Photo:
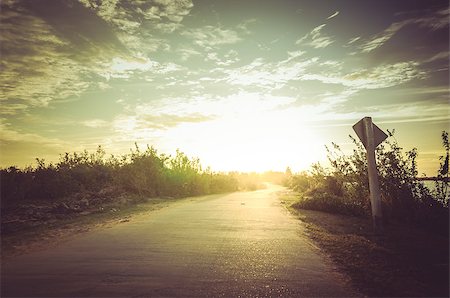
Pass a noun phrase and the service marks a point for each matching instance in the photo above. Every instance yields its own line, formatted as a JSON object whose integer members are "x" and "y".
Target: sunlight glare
{"x": 252, "y": 135}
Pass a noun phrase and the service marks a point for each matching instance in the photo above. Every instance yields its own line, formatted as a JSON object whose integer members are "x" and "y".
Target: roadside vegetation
{"x": 344, "y": 188}
{"x": 411, "y": 257}
{"x": 47, "y": 195}
{"x": 141, "y": 173}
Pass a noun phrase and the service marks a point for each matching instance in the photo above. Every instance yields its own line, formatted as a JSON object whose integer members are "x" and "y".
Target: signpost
{"x": 371, "y": 136}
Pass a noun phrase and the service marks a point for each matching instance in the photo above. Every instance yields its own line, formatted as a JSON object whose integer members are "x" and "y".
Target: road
{"x": 241, "y": 244}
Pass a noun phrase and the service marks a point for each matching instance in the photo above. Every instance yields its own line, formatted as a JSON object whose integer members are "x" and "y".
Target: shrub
{"x": 143, "y": 173}
{"x": 344, "y": 187}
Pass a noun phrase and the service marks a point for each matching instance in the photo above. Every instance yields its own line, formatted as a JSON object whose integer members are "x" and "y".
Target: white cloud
{"x": 244, "y": 26}
{"x": 186, "y": 53}
{"x": 227, "y": 59}
{"x": 378, "y": 77}
{"x": 385, "y": 75}
{"x": 316, "y": 38}
{"x": 124, "y": 16}
{"x": 137, "y": 23}
{"x": 95, "y": 123}
{"x": 379, "y": 39}
{"x": 353, "y": 40}
{"x": 123, "y": 68}
{"x": 333, "y": 15}
{"x": 271, "y": 75}
{"x": 209, "y": 36}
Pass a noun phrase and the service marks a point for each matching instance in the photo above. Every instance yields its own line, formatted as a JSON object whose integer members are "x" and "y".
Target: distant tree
{"x": 441, "y": 184}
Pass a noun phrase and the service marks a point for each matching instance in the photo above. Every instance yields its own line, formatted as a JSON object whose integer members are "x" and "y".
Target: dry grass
{"x": 31, "y": 235}
{"x": 405, "y": 262}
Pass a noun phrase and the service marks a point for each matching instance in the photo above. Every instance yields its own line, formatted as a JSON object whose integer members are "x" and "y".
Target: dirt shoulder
{"x": 29, "y": 234}
{"x": 405, "y": 262}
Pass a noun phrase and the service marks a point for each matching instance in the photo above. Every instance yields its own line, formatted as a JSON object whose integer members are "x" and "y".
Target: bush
{"x": 344, "y": 187}
{"x": 143, "y": 173}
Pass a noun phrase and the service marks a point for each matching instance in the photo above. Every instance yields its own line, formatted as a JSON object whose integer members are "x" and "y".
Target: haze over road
{"x": 242, "y": 243}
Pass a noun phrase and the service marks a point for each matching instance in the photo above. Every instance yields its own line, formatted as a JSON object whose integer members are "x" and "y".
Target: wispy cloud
{"x": 333, "y": 15}
{"x": 168, "y": 73}
{"x": 353, "y": 40}
{"x": 439, "y": 56}
{"x": 436, "y": 20}
{"x": 14, "y": 138}
{"x": 209, "y": 37}
{"x": 269, "y": 75}
{"x": 379, "y": 39}
{"x": 186, "y": 53}
{"x": 385, "y": 75}
{"x": 227, "y": 59}
{"x": 34, "y": 71}
{"x": 47, "y": 58}
{"x": 148, "y": 120}
{"x": 316, "y": 38}
{"x": 124, "y": 15}
{"x": 382, "y": 76}
{"x": 125, "y": 68}
{"x": 139, "y": 24}
{"x": 95, "y": 123}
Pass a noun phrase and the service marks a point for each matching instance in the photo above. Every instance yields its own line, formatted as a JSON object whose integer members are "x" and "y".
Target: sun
{"x": 252, "y": 143}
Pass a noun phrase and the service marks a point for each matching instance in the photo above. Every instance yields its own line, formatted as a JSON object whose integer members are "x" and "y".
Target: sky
{"x": 248, "y": 85}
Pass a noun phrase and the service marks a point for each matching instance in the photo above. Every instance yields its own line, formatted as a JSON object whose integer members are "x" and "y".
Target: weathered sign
{"x": 371, "y": 136}
{"x": 378, "y": 135}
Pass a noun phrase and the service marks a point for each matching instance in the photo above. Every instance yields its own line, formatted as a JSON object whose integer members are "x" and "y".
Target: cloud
{"x": 164, "y": 121}
{"x": 124, "y": 14}
{"x": 171, "y": 112}
{"x": 125, "y": 68}
{"x": 379, "y": 39}
{"x": 153, "y": 119}
{"x": 210, "y": 36}
{"x": 434, "y": 21}
{"x": 333, "y": 15}
{"x": 406, "y": 113}
{"x": 439, "y": 56}
{"x": 382, "y": 76}
{"x": 385, "y": 75}
{"x": 244, "y": 26}
{"x": 45, "y": 59}
{"x": 353, "y": 40}
{"x": 316, "y": 38}
{"x": 95, "y": 123}
{"x": 33, "y": 72}
{"x": 19, "y": 144}
{"x": 139, "y": 24}
{"x": 48, "y": 56}
{"x": 186, "y": 53}
{"x": 269, "y": 75}
{"x": 265, "y": 74}
{"x": 227, "y": 59}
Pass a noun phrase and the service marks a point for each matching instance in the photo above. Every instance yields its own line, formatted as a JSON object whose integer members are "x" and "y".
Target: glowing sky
{"x": 243, "y": 85}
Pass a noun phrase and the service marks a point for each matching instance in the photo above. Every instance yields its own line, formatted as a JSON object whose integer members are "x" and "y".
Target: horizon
{"x": 249, "y": 87}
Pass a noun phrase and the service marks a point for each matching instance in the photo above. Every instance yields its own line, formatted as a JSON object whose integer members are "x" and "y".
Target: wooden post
{"x": 374, "y": 185}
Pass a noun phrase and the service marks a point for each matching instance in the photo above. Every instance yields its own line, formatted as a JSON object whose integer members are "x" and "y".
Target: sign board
{"x": 378, "y": 135}
{"x": 371, "y": 136}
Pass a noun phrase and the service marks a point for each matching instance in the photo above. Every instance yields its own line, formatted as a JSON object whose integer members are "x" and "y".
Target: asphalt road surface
{"x": 241, "y": 244}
